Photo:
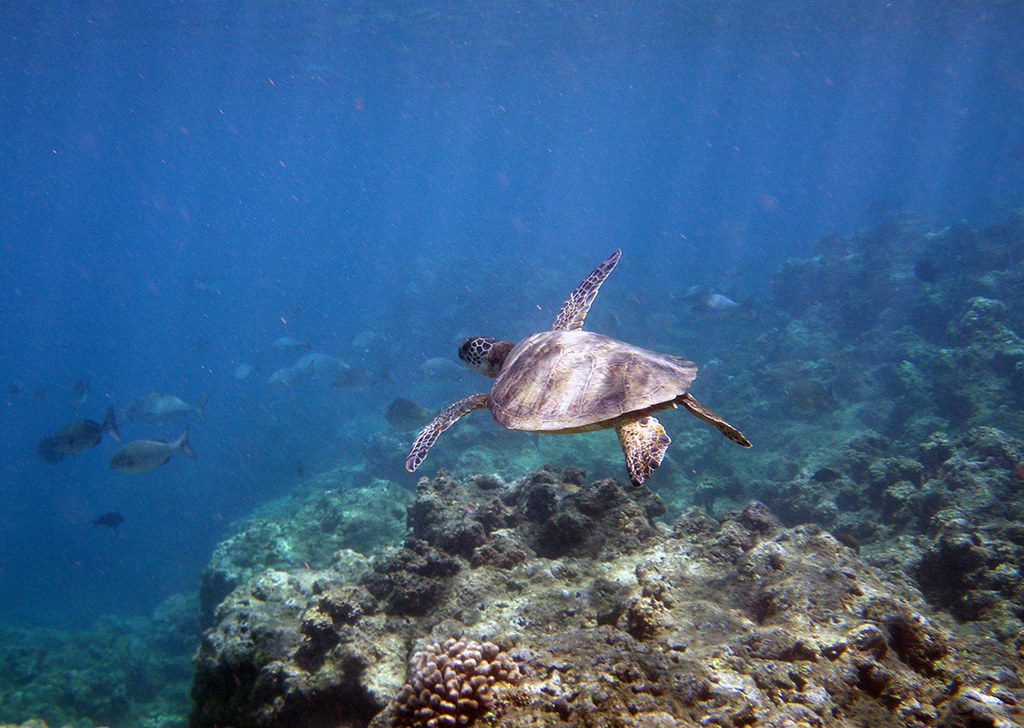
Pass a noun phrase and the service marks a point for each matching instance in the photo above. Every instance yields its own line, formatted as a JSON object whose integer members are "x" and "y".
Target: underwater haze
{"x": 282, "y": 217}
{"x": 183, "y": 184}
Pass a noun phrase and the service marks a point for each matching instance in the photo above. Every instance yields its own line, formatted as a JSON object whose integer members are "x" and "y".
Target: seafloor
{"x": 860, "y": 567}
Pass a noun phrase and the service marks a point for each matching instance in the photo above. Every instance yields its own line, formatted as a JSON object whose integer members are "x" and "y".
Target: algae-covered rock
{"x": 307, "y": 527}
{"x": 710, "y": 622}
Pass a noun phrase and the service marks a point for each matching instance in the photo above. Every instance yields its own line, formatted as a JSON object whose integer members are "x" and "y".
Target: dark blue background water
{"x": 183, "y": 183}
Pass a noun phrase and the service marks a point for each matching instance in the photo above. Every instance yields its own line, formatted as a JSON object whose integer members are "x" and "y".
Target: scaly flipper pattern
{"x": 574, "y": 310}
{"x": 703, "y": 413}
{"x": 643, "y": 443}
{"x": 429, "y": 434}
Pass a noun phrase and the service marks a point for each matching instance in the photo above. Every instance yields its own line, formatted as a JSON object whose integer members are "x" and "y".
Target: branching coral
{"x": 450, "y": 684}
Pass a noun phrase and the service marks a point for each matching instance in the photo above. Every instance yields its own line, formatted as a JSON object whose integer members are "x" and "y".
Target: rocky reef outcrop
{"x": 308, "y": 527}
{"x": 602, "y": 615}
{"x": 123, "y": 673}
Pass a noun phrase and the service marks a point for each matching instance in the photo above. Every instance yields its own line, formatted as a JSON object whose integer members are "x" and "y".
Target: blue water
{"x": 183, "y": 183}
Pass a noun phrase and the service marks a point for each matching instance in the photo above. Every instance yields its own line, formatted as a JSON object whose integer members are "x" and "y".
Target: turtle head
{"x": 484, "y": 354}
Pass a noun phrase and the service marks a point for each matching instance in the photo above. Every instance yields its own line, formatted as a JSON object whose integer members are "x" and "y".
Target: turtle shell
{"x": 564, "y": 380}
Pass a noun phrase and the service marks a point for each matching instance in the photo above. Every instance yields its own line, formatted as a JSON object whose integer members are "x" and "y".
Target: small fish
{"x": 287, "y": 343}
{"x": 110, "y": 519}
{"x": 141, "y": 456}
{"x": 286, "y": 377}
{"x": 404, "y": 415}
{"x": 354, "y": 379}
{"x": 78, "y": 437}
{"x": 39, "y": 394}
{"x": 370, "y": 342}
{"x": 319, "y": 365}
{"x": 826, "y": 475}
{"x": 13, "y": 389}
{"x": 441, "y": 368}
{"x": 704, "y": 300}
{"x": 165, "y": 408}
{"x": 243, "y": 371}
{"x": 300, "y": 469}
{"x": 847, "y": 539}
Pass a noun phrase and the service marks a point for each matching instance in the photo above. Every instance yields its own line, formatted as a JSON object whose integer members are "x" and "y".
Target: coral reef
{"x": 452, "y": 684}
{"x": 880, "y": 584}
{"x": 921, "y": 458}
{"x": 307, "y": 527}
{"x": 622, "y": 621}
{"x": 123, "y": 673}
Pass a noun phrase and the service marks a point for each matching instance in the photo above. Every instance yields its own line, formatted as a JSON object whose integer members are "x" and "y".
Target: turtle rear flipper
{"x": 643, "y": 443}
{"x": 574, "y": 310}
{"x": 701, "y": 412}
{"x": 429, "y": 434}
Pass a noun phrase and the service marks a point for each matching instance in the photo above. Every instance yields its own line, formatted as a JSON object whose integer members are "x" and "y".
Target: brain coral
{"x": 450, "y": 684}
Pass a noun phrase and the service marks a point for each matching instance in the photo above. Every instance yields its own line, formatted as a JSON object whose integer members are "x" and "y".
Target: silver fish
{"x": 354, "y": 379}
{"x": 319, "y": 365}
{"x": 164, "y": 408}
{"x": 286, "y": 377}
{"x": 707, "y": 301}
{"x": 141, "y": 456}
{"x": 441, "y": 368}
{"x": 243, "y": 370}
{"x": 287, "y": 343}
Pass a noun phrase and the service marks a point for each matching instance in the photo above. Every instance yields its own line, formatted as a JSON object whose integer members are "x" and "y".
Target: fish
{"x": 81, "y": 435}
{"x": 243, "y": 371}
{"x": 13, "y": 389}
{"x": 373, "y": 346}
{"x": 404, "y": 415}
{"x": 441, "y": 368}
{"x": 165, "y": 408}
{"x": 286, "y": 377}
{"x": 353, "y": 379}
{"x": 370, "y": 341}
{"x": 826, "y": 475}
{"x": 110, "y": 519}
{"x": 704, "y": 300}
{"x": 141, "y": 456}
{"x": 319, "y": 365}
{"x": 39, "y": 394}
{"x": 287, "y": 343}
{"x": 847, "y": 539}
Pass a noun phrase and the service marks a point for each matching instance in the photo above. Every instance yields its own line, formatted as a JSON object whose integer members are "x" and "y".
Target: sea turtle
{"x": 567, "y": 380}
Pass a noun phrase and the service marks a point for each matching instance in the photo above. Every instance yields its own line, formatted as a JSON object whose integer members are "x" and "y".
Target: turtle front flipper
{"x": 701, "y": 412}
{"x": 429, "y": 434}
{"x": 574, "y": 310}
{"x": 643, "y": 443}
